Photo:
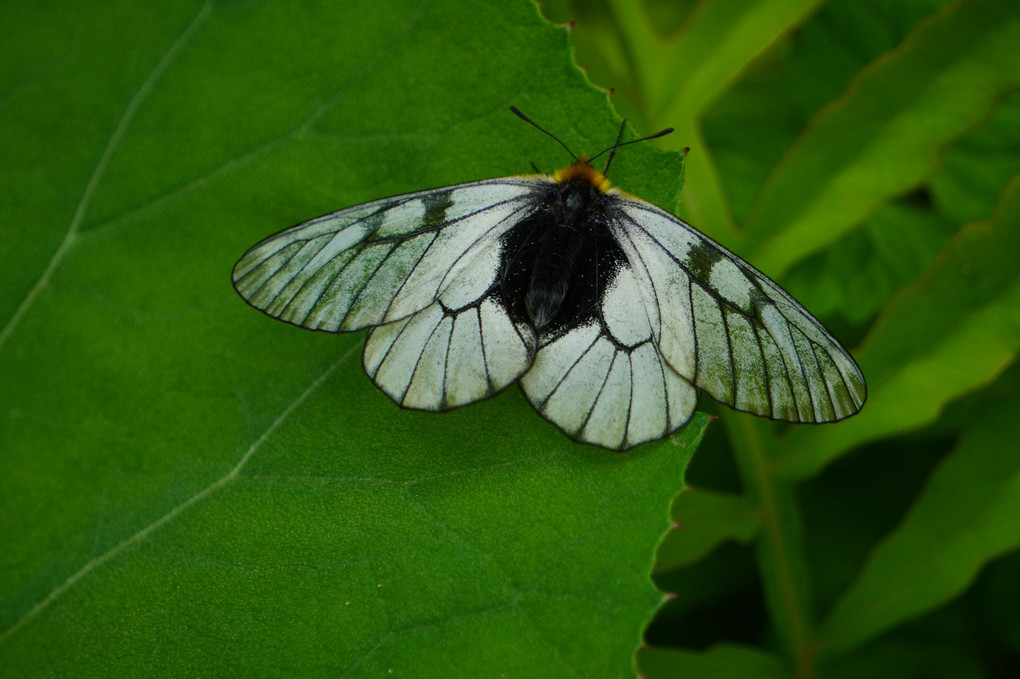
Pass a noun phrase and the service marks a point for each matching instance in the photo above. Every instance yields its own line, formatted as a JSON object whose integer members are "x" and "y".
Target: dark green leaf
{"x": 965, "y": 517}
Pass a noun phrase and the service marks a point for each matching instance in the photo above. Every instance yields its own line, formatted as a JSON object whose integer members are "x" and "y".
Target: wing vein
{"x": 561, "y": 380}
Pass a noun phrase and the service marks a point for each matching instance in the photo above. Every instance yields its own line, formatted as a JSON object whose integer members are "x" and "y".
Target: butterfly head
{"x": 582, "y": 169}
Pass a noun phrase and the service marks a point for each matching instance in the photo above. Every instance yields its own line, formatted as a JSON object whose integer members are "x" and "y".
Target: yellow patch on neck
{"x": 582, "y": 169}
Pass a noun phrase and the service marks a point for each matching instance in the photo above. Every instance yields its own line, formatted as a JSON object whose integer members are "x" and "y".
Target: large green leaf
{"x": 189, "y": 488}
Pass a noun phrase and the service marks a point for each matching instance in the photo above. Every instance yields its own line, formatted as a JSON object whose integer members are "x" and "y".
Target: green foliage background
{"x": 187, "y": 488}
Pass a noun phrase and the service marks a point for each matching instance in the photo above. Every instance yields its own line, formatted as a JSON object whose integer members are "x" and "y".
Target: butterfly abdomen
{"x": 559, "y": 244}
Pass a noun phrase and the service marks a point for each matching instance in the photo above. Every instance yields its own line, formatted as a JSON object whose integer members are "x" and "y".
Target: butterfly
{"x": 610, "y": 313}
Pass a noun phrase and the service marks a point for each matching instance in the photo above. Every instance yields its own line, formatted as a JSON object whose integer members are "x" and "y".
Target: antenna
{"x": 538, "y": 127}
{"x": 618, "y": 144}
{"x": 612, "y": 149}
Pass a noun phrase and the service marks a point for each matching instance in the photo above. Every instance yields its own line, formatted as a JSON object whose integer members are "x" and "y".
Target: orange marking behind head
{"x": 582, "y": 169}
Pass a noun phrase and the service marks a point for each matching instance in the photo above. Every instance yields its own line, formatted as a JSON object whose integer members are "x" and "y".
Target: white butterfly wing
{"x": 421, "y": 270}
{"x": 606, "y": 382}
{"x": 379, "y": 262}
{"x": 460, "y": 349}
{"x": 729, "y": 329}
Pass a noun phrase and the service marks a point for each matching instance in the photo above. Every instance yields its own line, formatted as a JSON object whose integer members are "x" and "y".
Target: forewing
{"x": 731, "y": 330}
{"x": 462, "y": 348}
{"x": 379, "y": 262}
{"x": 605, "y": 381}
